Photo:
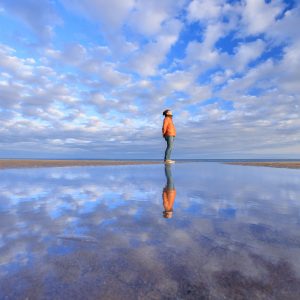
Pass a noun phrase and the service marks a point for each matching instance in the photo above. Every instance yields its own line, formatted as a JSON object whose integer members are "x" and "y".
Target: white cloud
{"x": 146, "y": 61}
{"x": 179, "y": 80}
{"x": 200, "y": 93}
{"x": 204, "y": 53}
{"x": 90, "y": 62}
{"x": 201, "y": 58}
{"x": 111, "y": 14}
{"x": 204, "y": 10}
{"x": 248, "y": 52}
{"x": 18, "y": 67}
{"x": 286, "y": 29}
{"x": 148, "y": 17}
{"x": 261, "y": 75}
{"x": 244, "y": 54}
{"x": 40, "y": 16}
{"x": 288, "y": 70}
{"x": 258, "y": 15}
{"x": 10, "y": 94}
{"x": 111, "y": 18}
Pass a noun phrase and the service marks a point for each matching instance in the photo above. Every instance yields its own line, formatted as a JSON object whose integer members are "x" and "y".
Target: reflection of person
{"x": 169, "y": 193}
{"x": 169, "y": 133}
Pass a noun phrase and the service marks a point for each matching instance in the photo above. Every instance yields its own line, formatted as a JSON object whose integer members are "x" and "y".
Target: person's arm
{"x": 165, "y": 126}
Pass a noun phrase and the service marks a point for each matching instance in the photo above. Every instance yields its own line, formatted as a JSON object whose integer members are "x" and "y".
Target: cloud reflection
{"x": 97, "y": 232}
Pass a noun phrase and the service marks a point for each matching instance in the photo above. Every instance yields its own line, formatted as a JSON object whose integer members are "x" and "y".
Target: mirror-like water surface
{"x": 190, "y": 231}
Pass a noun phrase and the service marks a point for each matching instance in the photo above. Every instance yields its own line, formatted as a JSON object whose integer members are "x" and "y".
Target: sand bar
{"x": 277, "y": 164}
{"x": 38, "y": 163}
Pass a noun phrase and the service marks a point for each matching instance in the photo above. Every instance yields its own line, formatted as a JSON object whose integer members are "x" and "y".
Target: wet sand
{"x": 100, "y": 233}
{"x": 277, "y": 164}
{"x": 38, "y": 163}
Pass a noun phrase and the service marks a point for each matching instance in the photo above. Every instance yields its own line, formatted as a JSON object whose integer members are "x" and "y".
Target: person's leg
{"x": 166, "y": 151}
{"x": 169, "y": 148}
{"x": 170, "y": 182}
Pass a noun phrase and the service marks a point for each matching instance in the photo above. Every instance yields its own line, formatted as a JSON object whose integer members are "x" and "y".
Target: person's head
{"x": 167, "y": 113}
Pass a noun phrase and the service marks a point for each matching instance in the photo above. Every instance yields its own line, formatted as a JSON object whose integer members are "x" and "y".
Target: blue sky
{"x": 90, "y": 78}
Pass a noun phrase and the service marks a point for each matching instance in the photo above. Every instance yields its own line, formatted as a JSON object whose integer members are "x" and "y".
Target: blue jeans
{"x": 170, "y": 181}
{"x": 170, "y": 142}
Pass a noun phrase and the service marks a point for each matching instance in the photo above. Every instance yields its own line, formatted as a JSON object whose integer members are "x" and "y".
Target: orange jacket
{"x": 168, "y": 128}
{"x": 168, "y": 199}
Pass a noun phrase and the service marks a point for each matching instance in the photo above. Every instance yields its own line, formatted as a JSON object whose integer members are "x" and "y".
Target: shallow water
{"x": 102, "y": 232}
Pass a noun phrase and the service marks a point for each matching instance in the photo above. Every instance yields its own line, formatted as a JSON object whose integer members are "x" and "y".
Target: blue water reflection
{"x": 192, "y": 230}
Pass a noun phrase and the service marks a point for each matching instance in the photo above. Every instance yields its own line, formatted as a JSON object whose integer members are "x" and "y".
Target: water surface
{"x": 225, "y": 232}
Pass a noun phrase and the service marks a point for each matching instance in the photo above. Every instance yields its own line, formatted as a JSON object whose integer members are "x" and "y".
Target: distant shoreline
{"x": 40, "y": 163}
{"x": 277, "y": 164}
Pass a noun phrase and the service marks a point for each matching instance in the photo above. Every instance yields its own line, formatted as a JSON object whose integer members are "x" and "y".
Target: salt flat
{"x": 100, "y": 233}
{"x": 40, "y": 163}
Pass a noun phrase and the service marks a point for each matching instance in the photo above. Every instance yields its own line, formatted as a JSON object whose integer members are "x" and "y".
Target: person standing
{"x": 169, "y": 133}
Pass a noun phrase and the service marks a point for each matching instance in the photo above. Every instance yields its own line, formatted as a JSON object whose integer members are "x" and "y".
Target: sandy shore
{"x": 37, "y": 163}
{"x": 277, "y": 164}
